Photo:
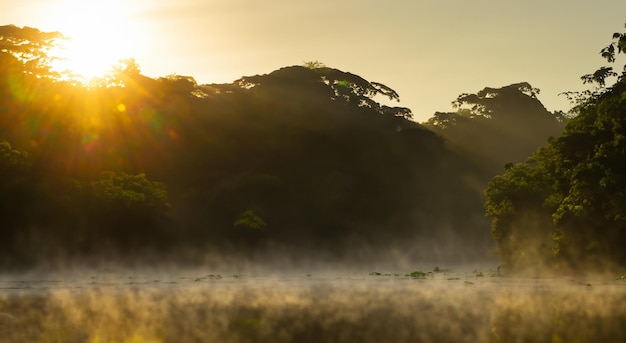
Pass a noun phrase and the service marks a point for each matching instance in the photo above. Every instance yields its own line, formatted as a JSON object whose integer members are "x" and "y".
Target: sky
{"x": 429, "y": 51}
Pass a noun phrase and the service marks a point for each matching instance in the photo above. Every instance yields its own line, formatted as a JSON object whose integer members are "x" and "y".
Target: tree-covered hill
{"x": 497, "y": 126}
{"x": 303, "y": 158}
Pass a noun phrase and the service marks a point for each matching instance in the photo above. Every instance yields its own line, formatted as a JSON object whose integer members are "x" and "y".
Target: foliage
{"x": 599, "y": 78}
{"x": 16, "y": 192}
{"x": 417, "y": 274}
{"x": 498, "y": 125}
{"x": 491, "y": 101}
{"x": 334, "y": 84}
{"x": 119, "y": 209}
{"x": 11, "y": 158}
{"x": 309, "y": 151}
{"x": 313, "y": 64}
{"x": 128, "y": 192}
{"x": 576, "y": 182}
{"x": 610, "y": 53}
{"x": 30, "y": 47}
{"x": 250, "y": 220}
{"x": 123, "y": 73}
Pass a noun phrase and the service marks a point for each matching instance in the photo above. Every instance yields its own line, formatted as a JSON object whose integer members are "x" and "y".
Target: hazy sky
{"x": 429, "y": 51}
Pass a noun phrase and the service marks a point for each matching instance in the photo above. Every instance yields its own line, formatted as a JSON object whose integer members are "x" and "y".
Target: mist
{"x": 196, "y": 305}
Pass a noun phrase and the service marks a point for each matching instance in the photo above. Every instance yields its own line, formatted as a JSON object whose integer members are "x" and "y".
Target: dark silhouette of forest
{"x": 303, "y": 160}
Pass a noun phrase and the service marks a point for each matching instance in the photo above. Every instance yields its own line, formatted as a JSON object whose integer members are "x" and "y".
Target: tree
{"x": 332, "y": 84}
{"x": 16, "y": 193}
{"x": 311, "y": 151}
{"x": 521, "y": 215}
{"x": 313, "y": 64}
{"x": 124, "y": 72}
{"x": 127, "y": 191}
{"x": 249, "y": 220}
{"x": 498, "y": 125}
{"x": 30, "y": 47}
{"x": 577, "y": 181}
{"x": 123, "y": 209}
{"x": 598, "y": 79}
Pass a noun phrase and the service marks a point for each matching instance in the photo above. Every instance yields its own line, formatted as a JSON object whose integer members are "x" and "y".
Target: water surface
{"x": 320, "y": 306}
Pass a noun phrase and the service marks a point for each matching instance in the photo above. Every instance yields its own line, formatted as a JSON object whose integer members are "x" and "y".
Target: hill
{"x": 300, "y": 158}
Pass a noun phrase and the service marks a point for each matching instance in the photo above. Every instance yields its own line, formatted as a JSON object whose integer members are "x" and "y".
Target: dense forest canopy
{"x": 295, "y": 159}
{"x": 303, "y": 160}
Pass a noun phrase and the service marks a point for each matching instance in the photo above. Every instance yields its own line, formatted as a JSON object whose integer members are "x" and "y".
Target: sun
{"x": 85, "y": 58}
{"x": 99, "y": 35}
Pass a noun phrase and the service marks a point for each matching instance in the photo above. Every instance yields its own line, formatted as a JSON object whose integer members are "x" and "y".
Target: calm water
{"x": 216, "y": 306}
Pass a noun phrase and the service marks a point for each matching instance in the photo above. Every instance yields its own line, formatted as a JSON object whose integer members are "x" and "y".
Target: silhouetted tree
{"x": 498, "y": 125}
{"x": 30, "y": 47}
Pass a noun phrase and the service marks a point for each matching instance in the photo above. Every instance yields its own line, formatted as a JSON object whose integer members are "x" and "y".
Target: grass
{"x": 418, "y": 274}
{"x": 210, "y": 276}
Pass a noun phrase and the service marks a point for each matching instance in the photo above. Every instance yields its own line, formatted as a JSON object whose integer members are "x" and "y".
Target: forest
{"x": 305, "y": 161}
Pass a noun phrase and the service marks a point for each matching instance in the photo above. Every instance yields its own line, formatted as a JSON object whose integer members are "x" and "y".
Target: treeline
{"x": 302, "y": 159}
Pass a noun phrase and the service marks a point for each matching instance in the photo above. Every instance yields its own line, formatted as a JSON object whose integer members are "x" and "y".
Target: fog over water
{"x": 257, "y": 305}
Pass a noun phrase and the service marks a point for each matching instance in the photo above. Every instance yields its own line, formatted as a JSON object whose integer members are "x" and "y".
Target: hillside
{"x": 303, "y": 160}
{"x": 299, "y": 158}
{"x": 498, "y": 126}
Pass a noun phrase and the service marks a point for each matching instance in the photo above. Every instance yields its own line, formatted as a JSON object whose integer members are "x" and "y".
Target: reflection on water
{"x": 192, "y": 306}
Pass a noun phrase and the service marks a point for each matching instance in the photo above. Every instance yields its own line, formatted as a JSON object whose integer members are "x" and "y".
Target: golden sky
{"x": 429, "y": 51}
